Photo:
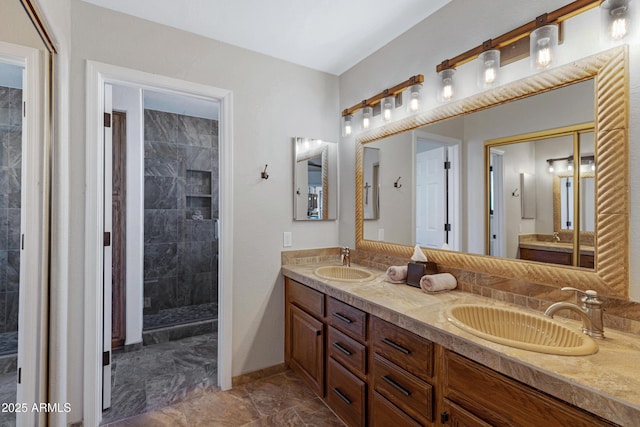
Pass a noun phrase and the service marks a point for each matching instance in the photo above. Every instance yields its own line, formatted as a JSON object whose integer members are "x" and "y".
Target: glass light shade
{"x": 616, "y": 18}
{"x": 347, "y": 127}
{"x": 387, "y": 108}
{"x": 543, "y": 46}
{"x": 447, "y": 89}
{"x": 414, "y": 98}
{"x": 488, "y": 68}
{"x": 367, "y": 116}
{"x": 551, "y": 168}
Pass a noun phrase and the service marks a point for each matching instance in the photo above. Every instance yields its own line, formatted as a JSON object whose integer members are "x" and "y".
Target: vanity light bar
{"x": 392, "y": 91}
{"x": 557, "y": 16}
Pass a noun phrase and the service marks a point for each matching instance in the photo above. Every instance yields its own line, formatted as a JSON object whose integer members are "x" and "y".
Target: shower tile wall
{"x": 180, "y": 251}
{"x": 10, "y": 170}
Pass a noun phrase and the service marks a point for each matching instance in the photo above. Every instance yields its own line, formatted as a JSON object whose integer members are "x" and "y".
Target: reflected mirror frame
{"x": 574, "y": 131}
{"x": 609, "y": 69}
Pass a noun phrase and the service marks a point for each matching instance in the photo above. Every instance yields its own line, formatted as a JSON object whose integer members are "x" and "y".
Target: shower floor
{"x": 180, "y": 316}
{"x": 8, "y": 343}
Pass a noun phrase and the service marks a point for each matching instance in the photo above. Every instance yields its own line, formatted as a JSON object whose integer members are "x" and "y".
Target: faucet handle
{"x": 590, "y": 296}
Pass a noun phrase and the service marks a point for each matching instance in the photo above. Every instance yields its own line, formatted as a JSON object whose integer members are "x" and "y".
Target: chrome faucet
{"x": 346, "y": 260}
{"x": 591, "y": 311}
{"x": 556, "y": 237}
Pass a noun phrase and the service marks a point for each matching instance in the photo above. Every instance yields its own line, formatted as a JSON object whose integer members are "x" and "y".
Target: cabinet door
{"x": 454, "y": 416}
{"x": 306, "y": 344}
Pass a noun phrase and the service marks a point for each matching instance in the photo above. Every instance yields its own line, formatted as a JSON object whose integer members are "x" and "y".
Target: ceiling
{"x": 326, "y": 35}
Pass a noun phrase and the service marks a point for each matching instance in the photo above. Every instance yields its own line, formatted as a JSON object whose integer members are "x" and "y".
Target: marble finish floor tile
{"x": 159, "y": 375}
{"x": 281, "y": 400}
{"x": 7, "y": 394}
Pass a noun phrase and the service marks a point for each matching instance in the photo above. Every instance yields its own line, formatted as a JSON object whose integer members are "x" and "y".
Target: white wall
{"x": 273, "y": 101}
{"x": 456, "y": 28}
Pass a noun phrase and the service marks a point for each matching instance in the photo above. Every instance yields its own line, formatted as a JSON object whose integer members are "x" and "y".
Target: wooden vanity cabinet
{"x": 554, "y": 257}
{"x": 478, "y": 396}
{"x": 304, "y": 349}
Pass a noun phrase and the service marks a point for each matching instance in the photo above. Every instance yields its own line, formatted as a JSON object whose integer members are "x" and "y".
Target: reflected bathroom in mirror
{"x": 371, "y": 200}
{"x": 590, "y": 93}
{"x": 315, "y": 180}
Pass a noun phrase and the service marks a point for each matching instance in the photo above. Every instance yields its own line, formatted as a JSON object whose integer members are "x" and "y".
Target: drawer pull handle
{"x": 398, "y": 347}
{"x": 395, "y": 385}
{"x": 342, "y": 396}
{"x": 343, "y": 318}
{"x": 342, "y": 349}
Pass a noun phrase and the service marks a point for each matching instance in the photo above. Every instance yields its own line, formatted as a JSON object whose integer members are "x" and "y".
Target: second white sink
{"x": 345, "y": 274}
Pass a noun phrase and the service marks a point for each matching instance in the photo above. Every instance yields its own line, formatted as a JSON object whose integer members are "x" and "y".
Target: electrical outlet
{"x": 147, "y": 302}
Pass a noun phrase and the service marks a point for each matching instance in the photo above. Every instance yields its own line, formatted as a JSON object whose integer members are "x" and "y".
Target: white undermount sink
{"x": 521, "y": 330}
{"x": 344, "y": 274}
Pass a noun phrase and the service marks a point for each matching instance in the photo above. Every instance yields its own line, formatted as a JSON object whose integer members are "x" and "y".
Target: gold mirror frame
{"x": 610, "y": 277}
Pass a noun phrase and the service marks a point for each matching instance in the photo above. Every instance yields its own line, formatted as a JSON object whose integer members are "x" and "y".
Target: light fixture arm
{"x": 562, "y": 14}
{"x": 392, "y": 91}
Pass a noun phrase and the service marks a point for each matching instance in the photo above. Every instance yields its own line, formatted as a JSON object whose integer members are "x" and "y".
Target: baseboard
{"x": 259, "y": 374}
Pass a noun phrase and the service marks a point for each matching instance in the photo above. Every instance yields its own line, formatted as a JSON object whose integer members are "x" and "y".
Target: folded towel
{"x": 397, "y": 274}
{"x": 441, "y": 282}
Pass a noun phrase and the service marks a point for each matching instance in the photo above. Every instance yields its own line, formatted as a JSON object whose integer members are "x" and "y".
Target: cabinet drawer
{"x": 346, "y": 394}
{"x": 407, "y": 350}
{"x": 348, "y": 319}
{"x": 412, "y": 395}
{"x": 347, "y": 351}
{"x": 385, "y": 414}
{"x": 304, "y": 297}
{"x": 467, "y": 384}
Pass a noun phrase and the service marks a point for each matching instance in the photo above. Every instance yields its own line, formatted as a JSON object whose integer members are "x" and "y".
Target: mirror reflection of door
{"x": 436, "y": 175}
{"x": 371, "y": 190}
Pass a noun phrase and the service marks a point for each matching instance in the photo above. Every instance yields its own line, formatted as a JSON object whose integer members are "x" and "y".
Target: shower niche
{"x": 198, "y": 195}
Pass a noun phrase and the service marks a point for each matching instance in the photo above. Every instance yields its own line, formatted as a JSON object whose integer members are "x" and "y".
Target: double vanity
{"x": 384, "y": 354}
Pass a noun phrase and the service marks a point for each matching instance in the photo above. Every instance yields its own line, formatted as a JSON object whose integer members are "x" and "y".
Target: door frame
{"x": 97, "y": 75}
{"x": 34, "y": 231}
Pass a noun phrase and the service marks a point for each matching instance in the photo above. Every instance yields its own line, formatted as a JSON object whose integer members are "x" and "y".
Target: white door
{"x": 497, "y": 242}
{"x": 106, "y": 336}
{"x": 431, "y": 198}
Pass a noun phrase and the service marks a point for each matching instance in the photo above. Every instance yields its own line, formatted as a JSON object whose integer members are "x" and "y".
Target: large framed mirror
{"x": 606, "y": 73}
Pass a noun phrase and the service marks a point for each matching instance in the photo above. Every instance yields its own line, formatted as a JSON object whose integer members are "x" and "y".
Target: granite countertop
{"x": 555, "y": 247}
{"x": 606, "y": 383}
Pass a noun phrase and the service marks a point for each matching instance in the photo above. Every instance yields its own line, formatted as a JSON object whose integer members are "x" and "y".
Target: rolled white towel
{"x": 397, "y": 274}
{"x": 441, "y": 282}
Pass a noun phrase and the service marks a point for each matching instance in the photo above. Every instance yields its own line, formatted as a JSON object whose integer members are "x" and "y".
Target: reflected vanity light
{"x": 489, "y": 65}
{"x": 570, "y": 164}
{"x": 551, "y": 168}
{"x": 616, "y": 16}
{"x": 543, "y": 46}
{"x": 446, "y": 91}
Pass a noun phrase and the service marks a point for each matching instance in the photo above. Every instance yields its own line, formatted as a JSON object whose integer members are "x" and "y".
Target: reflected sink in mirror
{"x": 521, "y": 330}
{"x": 345, "y": 274}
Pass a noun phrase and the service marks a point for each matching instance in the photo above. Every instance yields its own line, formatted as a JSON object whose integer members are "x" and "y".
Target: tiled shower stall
{"x": 180, "y": 226}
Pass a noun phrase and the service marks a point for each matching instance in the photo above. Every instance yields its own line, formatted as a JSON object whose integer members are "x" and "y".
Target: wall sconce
{"x": 446, "y": 90}
{"x": 386, "y": 99}
{"x": 387, "y": 107}
{"x": 347, "y": 128}
{"x": 543, "y": 45}
{"x": 588, "y": 159}
{"x": 489, "y": 66}
{"x": 616, "y": 17}
{"x": 414, "y": 98}
{"x": 570, "y": 163}
{"x": 551, "y": 168}
{"x": 367, "y": 116}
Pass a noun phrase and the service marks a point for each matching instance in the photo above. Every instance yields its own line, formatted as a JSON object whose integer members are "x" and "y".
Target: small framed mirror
{"x": 315, "y": 179}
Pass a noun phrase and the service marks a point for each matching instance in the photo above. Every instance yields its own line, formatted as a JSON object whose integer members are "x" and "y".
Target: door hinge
{"x": 19, "y": 375}
{"x": 568, "y": 223}
{"x": 106, "y": 358}
{"x": 447, "y": 227}
{"x": 24, "y": 108}
{"x": 107, "y": 238}
{"x": 107, "y": 120}
{"x": 568, "y": 184}
{"x": 22, "y": 242}
{"x": 447, "y": 165}
{"x": 444, "y": 417}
